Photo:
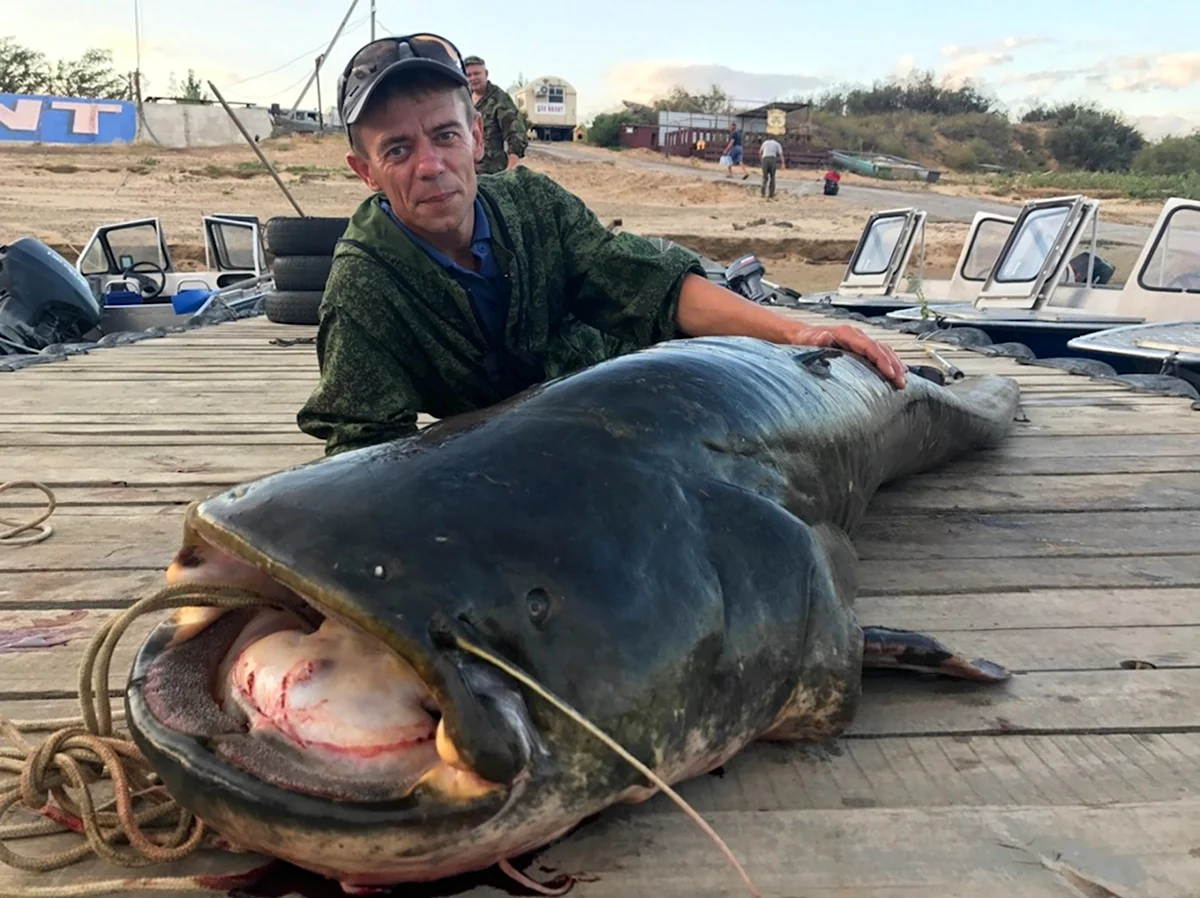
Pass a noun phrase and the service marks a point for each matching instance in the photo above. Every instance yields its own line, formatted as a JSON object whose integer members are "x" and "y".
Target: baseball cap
{"x": 380, "y": 59}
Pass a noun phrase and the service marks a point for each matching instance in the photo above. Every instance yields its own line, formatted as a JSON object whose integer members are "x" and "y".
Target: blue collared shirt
{"x": 487, "y": 288}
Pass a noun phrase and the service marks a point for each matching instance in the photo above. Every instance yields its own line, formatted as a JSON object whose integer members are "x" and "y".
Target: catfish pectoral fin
{"x": 889, "y": 647}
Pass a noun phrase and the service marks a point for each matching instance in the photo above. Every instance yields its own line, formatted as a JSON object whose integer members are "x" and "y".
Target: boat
{"x": 125, "y": 285}
{"x": 1043, "y": 297}
{"x": 871, "y": 285}
{"x": 1169, "y": 348}
{"x": 129, "y": 267}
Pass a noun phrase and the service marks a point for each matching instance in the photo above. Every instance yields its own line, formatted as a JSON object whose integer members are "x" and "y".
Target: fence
{"x": 26, "y": 118}
{"x": 31, "y": 118}
{"x": 798, "y": 153}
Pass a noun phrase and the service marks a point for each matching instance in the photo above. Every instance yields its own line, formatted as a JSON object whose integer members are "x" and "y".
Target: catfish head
{"x": 342, "y": 727}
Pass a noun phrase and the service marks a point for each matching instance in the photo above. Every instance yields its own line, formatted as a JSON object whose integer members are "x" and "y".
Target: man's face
{"x": 420, "y": 152}
{"x": 477, "y": 75}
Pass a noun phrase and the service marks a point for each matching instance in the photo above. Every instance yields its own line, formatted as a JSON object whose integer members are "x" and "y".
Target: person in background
{"x": 770, "y": 155}
{"x": 733, "y": 150}
{"x": 501, "y": 122}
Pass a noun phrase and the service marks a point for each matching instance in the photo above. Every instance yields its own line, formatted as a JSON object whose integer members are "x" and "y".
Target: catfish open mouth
{"x": 299, "y": 698}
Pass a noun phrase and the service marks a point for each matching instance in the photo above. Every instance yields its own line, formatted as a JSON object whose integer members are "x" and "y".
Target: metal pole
{"x": 324, "y": 55}
{"x": 137, "y": 34}
{"x": 320, "y": 113}
{"x": 261, "y": 158}
{"x": 372, "y": 19}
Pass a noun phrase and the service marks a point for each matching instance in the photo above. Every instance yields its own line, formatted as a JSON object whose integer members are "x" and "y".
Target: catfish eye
{"x": 537, "y": 602}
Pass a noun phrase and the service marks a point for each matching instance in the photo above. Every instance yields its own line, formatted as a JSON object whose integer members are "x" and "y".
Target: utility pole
{"x": 372, "y": 19}
{"x": 320, "y": 111}
{"x": 316, "y": 74}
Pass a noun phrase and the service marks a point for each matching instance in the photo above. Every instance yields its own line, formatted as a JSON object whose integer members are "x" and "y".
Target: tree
{"x": 26, "y": 71}
{"x": 22, "y": 70}
{"x": 91, "y": 75}
{"x": 1087, "y": 137}
{"x": 191, "y": 90}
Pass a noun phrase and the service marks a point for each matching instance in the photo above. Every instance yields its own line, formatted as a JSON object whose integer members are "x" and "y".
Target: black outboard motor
{"x": 744, "y": 276}
{"x": 1102, "y": 271}
{"x": 43, "y": 300}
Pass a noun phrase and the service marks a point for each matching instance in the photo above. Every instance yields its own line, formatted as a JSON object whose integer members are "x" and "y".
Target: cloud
{"x": 1156, "y": 127}
{"x": 647, "y": 80}
{"x": 964, "y": 63}
{"x": 1123, "y": 74}
{"x": 1171, "y": 71}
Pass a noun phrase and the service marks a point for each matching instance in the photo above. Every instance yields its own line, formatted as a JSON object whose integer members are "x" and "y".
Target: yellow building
{"x": 549, "y": 106}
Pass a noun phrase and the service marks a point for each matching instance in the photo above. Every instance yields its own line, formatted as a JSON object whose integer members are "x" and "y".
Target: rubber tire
{"x": 301, "y": 272}
{"x": 293, "y": 306}
{"x": 292, "y": 236}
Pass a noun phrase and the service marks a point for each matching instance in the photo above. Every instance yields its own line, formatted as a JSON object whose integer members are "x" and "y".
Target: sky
{"x": 1139, "y": 60}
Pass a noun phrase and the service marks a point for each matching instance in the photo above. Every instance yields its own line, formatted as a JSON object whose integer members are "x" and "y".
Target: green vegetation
{"x": 1072, "y": 146}
{"x": 91, "y": 76}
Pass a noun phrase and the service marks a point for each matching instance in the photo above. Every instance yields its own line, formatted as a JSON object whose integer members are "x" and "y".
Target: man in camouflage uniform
{"x": 451, "y": 292}
{"x": 501, "y": 122}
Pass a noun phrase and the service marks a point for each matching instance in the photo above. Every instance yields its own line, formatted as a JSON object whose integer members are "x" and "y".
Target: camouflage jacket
{"x": 501, "y": 128}
{"x": 398, "y": 334}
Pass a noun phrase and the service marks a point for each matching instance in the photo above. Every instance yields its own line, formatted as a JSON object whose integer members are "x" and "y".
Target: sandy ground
{"x": 59, "y": 195}
{"x": 1115, "y": 209}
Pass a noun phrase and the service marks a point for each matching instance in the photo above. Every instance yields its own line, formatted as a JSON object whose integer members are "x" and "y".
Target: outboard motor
{"x": 43, "y": 299}
{"x": 744, "y": 276}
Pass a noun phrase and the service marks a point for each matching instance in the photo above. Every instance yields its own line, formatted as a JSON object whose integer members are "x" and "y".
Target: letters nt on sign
{"x": 85, "y": 115}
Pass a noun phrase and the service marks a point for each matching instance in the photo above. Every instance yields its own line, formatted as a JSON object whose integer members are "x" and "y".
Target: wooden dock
{"x": 1071, "y": 555}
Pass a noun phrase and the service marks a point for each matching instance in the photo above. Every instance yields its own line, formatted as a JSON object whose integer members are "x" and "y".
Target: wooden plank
{"x": 1073, "y": 492}
{"x": 88, "y": 465}
{"x": 1138, "y": 602}
{"x": 909, "y": 771}
{"x": 91, "y": 872}
{"x": 49, "y": 665}
{"x": 950, "y": 576}
{"x": 969, "y": 535}
{"x": 77, "y": 472}
{"x": 66, "y": 430}
{"x": 117, "y": 537}
{"x": 1055, "y": 701}
{"x": 1028, "y": 485}
{"x": 43, "y": 590}
{"x": 1066, "y": 609}
{"x": 1121, "y": 850}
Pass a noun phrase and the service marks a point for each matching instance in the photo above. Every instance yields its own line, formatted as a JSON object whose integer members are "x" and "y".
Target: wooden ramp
{"x": 1072, "y": 555}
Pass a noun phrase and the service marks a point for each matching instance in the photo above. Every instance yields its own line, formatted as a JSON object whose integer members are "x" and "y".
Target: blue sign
{"x": 66, "y": 119}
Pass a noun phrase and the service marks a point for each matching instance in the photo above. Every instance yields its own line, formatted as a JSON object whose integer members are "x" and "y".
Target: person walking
{"x": 770, "y": 155}
{"x": 733, "y": 152}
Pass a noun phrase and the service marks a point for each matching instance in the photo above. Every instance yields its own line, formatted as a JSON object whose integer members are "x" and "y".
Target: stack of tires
{"x": 302, "y": 250}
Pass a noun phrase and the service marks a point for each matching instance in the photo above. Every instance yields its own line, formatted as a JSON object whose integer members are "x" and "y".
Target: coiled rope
{"x": 82, "y": 752}
{"x": 13, "y": 535}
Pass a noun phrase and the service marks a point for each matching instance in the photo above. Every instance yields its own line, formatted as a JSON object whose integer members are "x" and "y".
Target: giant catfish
{"x": 661, "y": 540}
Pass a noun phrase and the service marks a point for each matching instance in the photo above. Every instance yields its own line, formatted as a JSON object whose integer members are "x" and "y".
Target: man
{"x": 451, "y": 292}
{"x": 733, "y": 150}
{"x": 770, "y": 155}
{"x": 501, "y": 123}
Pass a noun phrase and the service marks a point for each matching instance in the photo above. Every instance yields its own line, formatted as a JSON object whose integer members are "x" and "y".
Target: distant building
{"x": 549, "y": 107}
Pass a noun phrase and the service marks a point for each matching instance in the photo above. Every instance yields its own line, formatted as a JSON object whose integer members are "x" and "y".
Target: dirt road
{"x": 942, "y": 207}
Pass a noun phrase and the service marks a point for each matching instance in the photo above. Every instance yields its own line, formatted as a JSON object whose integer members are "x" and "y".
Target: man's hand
{"x": 707, "y": 309}
{"x": 851, "y": 339}
{"x": 513, "y": 160}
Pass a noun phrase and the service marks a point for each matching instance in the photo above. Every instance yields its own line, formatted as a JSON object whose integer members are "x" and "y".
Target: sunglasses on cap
{"x": 368, "y": 67}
